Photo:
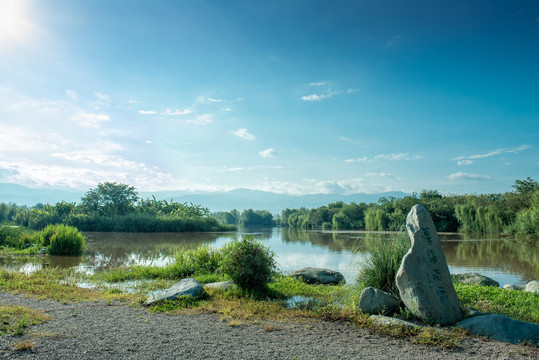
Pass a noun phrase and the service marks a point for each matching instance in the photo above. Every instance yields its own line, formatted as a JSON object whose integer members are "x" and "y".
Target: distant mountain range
{"x": 236, "y": 199}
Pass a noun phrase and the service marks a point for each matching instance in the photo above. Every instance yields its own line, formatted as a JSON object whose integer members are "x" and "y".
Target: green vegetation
{"x": 15, "y": 319}
{"x": 248, "y": 263}
{"x": 57, "y": 239}
{"x": 518, "y": 305}
{"x": 115, "y": 207}
{"x": 515, "y": 212}
{"x": 248, "y": 217}
{"x": 382, "y": 263}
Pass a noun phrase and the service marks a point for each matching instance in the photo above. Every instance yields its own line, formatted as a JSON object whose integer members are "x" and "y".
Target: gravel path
{"x": 101, "y": 331}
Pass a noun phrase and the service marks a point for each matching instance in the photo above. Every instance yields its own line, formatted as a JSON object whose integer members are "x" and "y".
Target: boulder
{"x": 532, "y": 286}
{"x": 222, "y": 285}
{"x": 514, "y": 287}
{"x": 423, "y": 279}
{"x": 475, "y": 279}
{"x": 391, "y": 321}
{"x": 186, "y": 287}
{"x": 312, "y": 275}
{"x": 502, "y": 328}
{"x": 376, "y": 301}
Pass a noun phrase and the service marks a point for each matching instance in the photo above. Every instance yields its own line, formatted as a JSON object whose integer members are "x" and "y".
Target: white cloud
{"x": 351, "y": 90}
{"x": 72, "y": 94}
{"x": 492, "y": 153}
{"x": 317, "y": 97}
{"x": 214, "y": 100}
{"x": 101, "y": 96}
{"x": 147, "y": 112}
{"x": 259, "y": 167}
{"x": 244, "y": 134}
{"x": 464, "y": 162}
{"x": 390, "y": 157}
{"x": 461, "y": 176}
{"x": 202, "y": 119}
{"x": 90, "y": 120}
{"x": 268, "y": 153}
{"x": 346, "y": 187}
{"x": 226, "y": 108}
{"x": 177, "y": 112}
{"x": 148, "y": 141}
{"x": 344, "y": 138}
{"x": 318, "y": 83}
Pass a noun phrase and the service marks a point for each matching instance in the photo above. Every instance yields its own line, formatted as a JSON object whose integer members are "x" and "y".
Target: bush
{"x": 203, "y": 260}
{"x": 63, "y": 240}
{"x": 249, "y": 263}
{"x": 382, "y": 264}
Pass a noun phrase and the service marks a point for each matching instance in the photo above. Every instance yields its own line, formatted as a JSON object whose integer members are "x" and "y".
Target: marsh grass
{"x": 382, "y": 263}
{"x": 518, "y": 305}
{"x": 14, "y": 319}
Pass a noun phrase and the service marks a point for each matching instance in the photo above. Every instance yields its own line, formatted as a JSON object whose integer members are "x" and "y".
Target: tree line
{"x": 114, "y": 207}
{"x": 515, "y": 212}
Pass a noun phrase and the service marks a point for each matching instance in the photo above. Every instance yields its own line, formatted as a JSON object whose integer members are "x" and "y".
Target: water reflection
{"x": 504, "y": 260}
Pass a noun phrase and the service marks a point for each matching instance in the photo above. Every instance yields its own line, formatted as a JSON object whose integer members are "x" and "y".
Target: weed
{"x": 15, "y": 319}
{"x": 383, "y": 262}
{"x": 24, "y": 345}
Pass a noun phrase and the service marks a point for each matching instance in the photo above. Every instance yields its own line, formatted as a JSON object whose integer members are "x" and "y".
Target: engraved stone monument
{"x": 423, "y": 278}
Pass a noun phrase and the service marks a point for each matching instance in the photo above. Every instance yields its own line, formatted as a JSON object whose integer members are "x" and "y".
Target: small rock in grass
{"x": 186, "y": 287}
{"x": 386, "y": 320}
{"x": 376, "y": 301}
{"x": 312, "y": 275}
{"x": 532, "y": 286}
{"x": 475, "y": 279}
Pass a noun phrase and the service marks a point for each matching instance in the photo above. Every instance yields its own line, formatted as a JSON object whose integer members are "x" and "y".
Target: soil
{"x": 97, "y": 330}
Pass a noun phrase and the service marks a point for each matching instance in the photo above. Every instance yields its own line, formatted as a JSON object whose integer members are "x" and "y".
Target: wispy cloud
{"x": 244, "y": 134}
{"x": 268, "y": 153}
{"x": 384, "y": 175}
{"x": 344, "y": 138}
{"x": 177, "y": 112}
{"x": 147, "y": 112}
{"x": 248, "y": 168}
{"x": 469, "y": 159}
{"x": 72, "y": 94}
{"x": 214, "y": 100}
{"x": 203, "y": 119}
{"x": 390, "y": 157}
{"x": 321, "y": 83}
{"x": 461, "y": 176}
{"x": 90, "y": 120}
{"x": 351, "y": 90}
{"x": 317, "y": 97}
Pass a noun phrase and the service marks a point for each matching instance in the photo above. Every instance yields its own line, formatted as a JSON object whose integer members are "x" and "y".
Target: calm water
{"x": 503, "y": 260}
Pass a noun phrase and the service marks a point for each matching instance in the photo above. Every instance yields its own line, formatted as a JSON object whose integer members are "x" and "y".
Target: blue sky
{"x": 292, "y": 97}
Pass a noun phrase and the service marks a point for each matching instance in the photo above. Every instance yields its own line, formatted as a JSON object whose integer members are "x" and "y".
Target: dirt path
{"x": 101, "y": 331}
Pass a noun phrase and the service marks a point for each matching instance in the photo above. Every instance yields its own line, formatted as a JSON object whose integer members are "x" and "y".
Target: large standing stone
{"x": 502, "y": 328}
{"x": 186, "y": 287}
{"x": 423, "y": 278}
{"x": 311, "y": 275}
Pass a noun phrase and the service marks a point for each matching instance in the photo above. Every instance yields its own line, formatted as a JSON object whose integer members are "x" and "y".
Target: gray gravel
{"x": 101, "y": 331}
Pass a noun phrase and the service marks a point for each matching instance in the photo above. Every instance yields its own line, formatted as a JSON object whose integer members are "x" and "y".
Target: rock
{"x": 391, "y": 321}
{"x": 423, "y": 279}
{"x": 186, "y": 287}
{"x": 312, "y": 275}
{"x": 532, "y": 286}
{"x": 514, "y": 287}
{"x": 376, "y": 301}
{"x": 502, "y": 328}
{"x": 469, "y": 312}
{"x": 222, "y": 285}
{"x": 475, "y": 279}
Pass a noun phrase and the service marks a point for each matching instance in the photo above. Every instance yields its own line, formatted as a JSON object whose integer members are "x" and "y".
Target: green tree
{"x": 109, "y": 199}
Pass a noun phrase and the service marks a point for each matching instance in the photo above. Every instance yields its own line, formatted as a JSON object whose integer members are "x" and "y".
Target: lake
{"x": 504, "y": 260}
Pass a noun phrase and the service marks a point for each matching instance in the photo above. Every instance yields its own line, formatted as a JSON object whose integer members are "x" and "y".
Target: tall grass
{"x": 381, "y": 264}
{"x": 63, "y": 240}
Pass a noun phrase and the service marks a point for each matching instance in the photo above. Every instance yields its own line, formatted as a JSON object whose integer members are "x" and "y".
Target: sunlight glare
{"x": 14, "y": 22}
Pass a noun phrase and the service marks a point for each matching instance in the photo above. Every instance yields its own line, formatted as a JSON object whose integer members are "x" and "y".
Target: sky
{"x": 294, "y": 97}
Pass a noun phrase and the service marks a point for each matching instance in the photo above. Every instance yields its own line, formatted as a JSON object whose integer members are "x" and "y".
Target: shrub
{"x": 63, "y": 240}
{"x": 249, "y": 263}
{"x": 202, "y": 260}
{"x": 382, "y": 264}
